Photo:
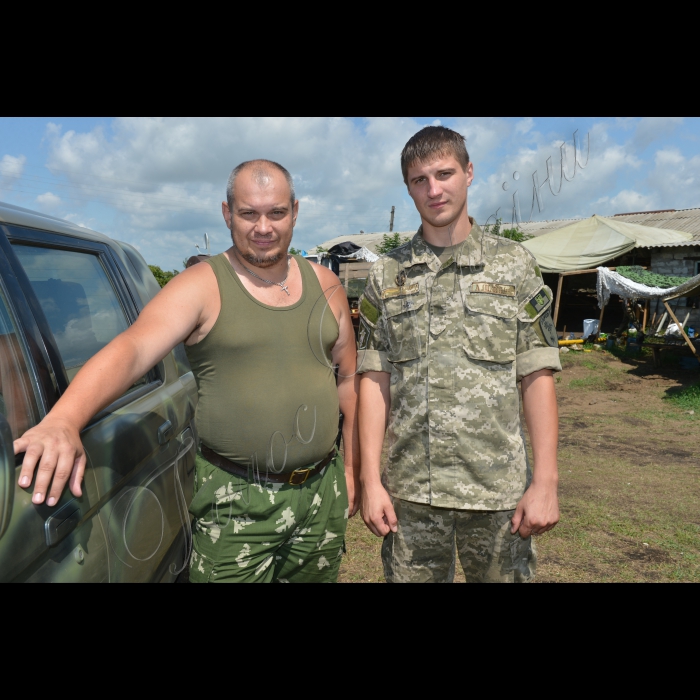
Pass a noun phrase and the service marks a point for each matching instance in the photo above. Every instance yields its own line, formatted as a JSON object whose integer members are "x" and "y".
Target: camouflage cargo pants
{"x": 248, "y": 532}
{"x": 424, "y": 548}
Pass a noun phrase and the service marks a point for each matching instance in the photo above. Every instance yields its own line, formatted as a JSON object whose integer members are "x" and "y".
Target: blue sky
{"x": 158, "y": 183}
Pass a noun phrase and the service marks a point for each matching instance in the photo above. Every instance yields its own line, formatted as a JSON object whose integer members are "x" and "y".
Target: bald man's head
{"x": 261, "y": 171}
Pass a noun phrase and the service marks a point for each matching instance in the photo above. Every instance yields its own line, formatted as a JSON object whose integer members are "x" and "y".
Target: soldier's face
{"x": 439, "y": 189}
{"x": 262, "y": 218}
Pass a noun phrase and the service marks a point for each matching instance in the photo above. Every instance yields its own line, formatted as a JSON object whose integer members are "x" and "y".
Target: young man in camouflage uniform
{"x": 450, "y": 323}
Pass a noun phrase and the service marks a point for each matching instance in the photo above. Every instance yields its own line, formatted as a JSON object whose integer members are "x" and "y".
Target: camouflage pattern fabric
{"x": 263, "y": 532}
{"x": 457, "y": 337}
{"x": 423, "y": 550}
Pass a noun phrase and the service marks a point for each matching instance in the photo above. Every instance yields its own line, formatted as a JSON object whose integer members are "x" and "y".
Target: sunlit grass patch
{"x": 687, "y": 398}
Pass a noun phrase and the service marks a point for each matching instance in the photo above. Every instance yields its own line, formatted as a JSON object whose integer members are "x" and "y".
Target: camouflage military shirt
{"x": 456, "y": 338}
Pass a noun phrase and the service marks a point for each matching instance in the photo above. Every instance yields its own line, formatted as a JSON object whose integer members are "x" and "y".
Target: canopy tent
{"x": 589, "y": 243}
{"x": 613, "y": 283}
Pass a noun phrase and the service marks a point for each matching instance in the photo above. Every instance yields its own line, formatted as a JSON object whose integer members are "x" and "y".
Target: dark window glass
{"x": 17, "y": 398}
{"x": 78, "y": 300}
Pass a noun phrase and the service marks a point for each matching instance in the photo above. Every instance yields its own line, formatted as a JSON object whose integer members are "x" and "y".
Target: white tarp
{"x": 363, "y": 254}
{"x": 613, "y": 283}
{"x": 588, "y": 243}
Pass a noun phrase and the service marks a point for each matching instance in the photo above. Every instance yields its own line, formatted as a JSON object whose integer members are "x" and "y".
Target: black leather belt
{"x": 295, "y": 478}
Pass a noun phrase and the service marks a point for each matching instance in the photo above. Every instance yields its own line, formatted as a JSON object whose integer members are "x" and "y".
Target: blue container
{"x": 610, "y": 342}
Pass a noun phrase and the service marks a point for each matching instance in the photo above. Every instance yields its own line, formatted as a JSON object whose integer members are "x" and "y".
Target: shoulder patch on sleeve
{"x": 538, "y": 302}
{"x": 549, "y": 333}
{"x": 369, "y": 311}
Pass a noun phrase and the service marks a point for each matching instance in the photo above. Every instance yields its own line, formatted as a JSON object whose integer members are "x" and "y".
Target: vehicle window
{"x": 17, "y": 398}
{"x": 78, "y": 300}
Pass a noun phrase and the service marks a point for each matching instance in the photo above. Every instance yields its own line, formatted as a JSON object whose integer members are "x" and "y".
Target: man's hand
{"x": 537, "y": 512}
{"x": 377, "y": 510}
{"x": 54, "y": 445}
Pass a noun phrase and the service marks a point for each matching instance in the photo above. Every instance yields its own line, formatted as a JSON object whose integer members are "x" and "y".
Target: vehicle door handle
{"x": 165, "y": 432}
{"x": 61, "y": 523}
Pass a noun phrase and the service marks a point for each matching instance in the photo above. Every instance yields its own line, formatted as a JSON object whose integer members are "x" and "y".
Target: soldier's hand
{"x": 378, "y": 511}
{"x": 537, "y": 512}
{"x": 54, "y": 447}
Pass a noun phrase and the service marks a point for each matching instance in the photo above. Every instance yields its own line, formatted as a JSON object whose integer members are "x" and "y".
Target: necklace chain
{"x": 262, "y": 279}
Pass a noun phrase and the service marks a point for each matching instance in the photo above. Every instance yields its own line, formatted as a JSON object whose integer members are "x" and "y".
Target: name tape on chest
{"x": 501, "y": 290}
{"x": 399, "y": 291}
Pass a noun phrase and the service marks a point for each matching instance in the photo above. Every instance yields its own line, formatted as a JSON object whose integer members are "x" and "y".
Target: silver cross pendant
{"x": 284, "y": 286}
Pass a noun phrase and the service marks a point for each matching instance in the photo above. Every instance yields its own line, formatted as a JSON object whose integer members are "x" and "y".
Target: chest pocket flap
{"x": 405, "y": 324}
{"x": 491, "y": 326}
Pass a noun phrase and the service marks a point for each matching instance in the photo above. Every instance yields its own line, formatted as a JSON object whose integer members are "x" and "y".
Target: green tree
{"x": 390, "y": 242}
{"x": 511, "y": 233}
{"x": 294, "y": 251}
{"x": 162, "y": 276}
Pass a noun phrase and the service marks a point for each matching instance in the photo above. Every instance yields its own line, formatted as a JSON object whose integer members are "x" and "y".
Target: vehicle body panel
{"x": 131, "y": 524}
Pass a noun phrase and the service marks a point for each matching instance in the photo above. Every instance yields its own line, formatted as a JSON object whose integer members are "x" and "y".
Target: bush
{"x": 511, "y": 233}
{"x": 390, "y": 242}
{"x": 162, "y": 276}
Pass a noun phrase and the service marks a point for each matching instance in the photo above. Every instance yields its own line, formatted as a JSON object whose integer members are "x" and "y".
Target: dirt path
{"x": 629, "y": 486}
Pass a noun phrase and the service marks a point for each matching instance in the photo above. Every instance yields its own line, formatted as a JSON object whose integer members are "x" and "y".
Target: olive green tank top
{"x": 267, "y": 391}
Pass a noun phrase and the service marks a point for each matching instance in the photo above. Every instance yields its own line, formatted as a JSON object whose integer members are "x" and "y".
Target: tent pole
{"x": 600, "y": 322}
{"x": 687, "y": 339}
{"x": 646, "y": 316}
{"x": 556, "y": 304}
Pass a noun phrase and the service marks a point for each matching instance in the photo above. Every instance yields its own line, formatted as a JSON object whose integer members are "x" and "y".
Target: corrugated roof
{"x": 368, "y": 240}
{"x": 687, "y": 220}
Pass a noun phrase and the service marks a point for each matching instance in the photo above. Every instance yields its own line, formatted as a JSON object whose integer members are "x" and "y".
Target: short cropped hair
{"x": 430, "y": 143}
{"x": 261, "y": 174}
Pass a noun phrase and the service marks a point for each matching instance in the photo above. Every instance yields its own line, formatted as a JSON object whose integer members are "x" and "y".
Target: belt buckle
{"x": 301, "y": 472}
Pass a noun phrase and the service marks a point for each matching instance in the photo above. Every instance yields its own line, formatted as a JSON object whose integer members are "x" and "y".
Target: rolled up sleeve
{"x": 372, "y": 342}
{"x": 538, "y": 347}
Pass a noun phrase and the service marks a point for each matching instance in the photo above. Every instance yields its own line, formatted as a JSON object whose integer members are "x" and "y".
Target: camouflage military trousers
{"x": 424, "y": 548}
{"x": 262, "y": 532}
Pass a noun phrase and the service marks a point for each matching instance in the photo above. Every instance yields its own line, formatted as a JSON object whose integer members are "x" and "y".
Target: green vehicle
{"x": 65, "y": 292}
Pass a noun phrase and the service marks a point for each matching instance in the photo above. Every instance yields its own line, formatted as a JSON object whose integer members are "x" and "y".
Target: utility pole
{"x": 391, "y": 222}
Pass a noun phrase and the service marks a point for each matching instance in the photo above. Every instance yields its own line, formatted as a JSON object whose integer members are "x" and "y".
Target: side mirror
{"x": 7, "y": 474}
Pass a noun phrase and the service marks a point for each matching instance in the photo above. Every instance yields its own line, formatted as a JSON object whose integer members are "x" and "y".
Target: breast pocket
{"x": 490, "y": 326}
{"x": 405, "y": 327}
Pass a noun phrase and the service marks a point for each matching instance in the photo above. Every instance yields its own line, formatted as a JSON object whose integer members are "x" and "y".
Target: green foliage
{"x": 294, "y": 251}
{"x": 687, "y": 399}
{"x": 511, "y": 233}
{"x": 650, "y": 279}
{"x": 389, "y": 242}
{"x": 321, "y": 249}
{"x": 162, "y": 276}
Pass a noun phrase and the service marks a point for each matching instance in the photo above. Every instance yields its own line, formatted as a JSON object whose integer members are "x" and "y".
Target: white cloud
{"x": 48, "y": 200}
{"x": 524, "y": 125}
{"x": 162, "y": 181}
{"x": 11, "y": 169}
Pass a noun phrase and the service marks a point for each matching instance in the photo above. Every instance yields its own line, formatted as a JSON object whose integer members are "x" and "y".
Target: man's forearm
{"x": 348, "y": 389}
{"x": 104, "y": 378}
{"x": 373, "y": 415}
{"x": 542, "y": 419}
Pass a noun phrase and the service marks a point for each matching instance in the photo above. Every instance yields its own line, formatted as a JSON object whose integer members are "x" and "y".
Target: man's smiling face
{"x": 439, "y": 189}
{"x": 262, "y": 217}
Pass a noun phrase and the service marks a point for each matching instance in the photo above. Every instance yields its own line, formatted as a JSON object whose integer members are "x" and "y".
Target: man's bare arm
{"x": 54, "y": 444}
{"x": 538, "y": 510}
{"x": 345, "y": 357}
{"x": 375, "y": 402}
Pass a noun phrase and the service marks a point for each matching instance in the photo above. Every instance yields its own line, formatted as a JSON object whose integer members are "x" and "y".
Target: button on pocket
{"x": 491, "y": 328}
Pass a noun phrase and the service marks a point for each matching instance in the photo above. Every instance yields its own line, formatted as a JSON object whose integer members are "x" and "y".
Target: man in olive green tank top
{"x": 263, "y": 331}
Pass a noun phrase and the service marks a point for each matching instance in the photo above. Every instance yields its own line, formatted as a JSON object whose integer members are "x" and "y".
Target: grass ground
{"x": 629, "y": 467}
